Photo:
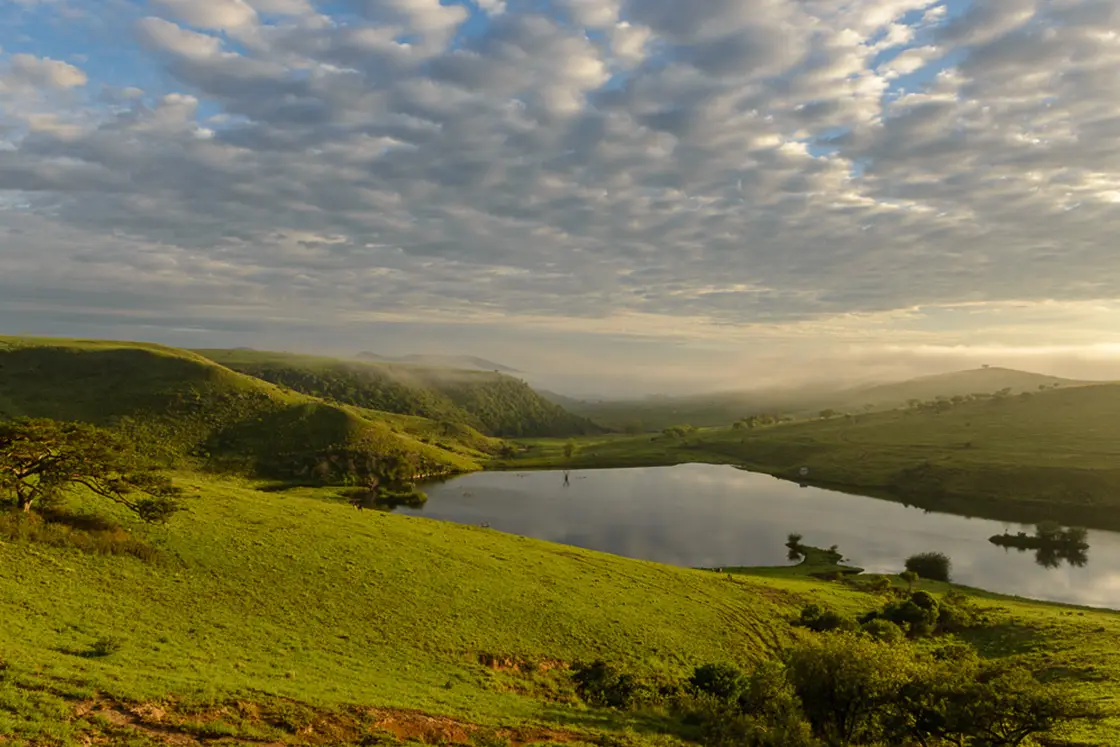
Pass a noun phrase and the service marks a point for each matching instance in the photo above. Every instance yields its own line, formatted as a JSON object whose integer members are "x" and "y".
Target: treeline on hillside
{"x": 945, "y": 403}
{"x": 495, "y": 404}
{"x": 510, "y": 408}
{"x": 358, "y": 385}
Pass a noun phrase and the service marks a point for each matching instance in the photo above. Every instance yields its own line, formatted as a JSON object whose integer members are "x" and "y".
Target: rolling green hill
{"x": 491, "y": 402}
{"x": 291, "y": 618}
{"x": 186, "y": 409}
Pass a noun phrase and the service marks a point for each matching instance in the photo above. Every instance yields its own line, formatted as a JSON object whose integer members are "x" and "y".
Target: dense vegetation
{"x": 492, "y": 402}
{"x": 279, "y": 614}
{"x": 186, "y": 411}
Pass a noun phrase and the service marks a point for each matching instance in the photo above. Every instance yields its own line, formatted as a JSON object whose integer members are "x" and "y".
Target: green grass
{"x": 295, "y": 597}
{"x": 188, "y": 410}
{"x": 1049, "y": 455}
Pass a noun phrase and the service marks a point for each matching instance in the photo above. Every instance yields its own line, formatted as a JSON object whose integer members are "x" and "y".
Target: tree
{"x": 910, "y": 577}
{"x": 569, "y": 449}
{"x": 828, "y": 414}
{"x": 846, "y": 683}
{"x": 935, "y": 566}
{"x": 1005, "y": 706}
{"x": 41, "y": 458}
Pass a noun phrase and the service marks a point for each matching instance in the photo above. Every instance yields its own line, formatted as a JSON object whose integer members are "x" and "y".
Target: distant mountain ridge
{"x": 724, "y": 408}
{"x": 468, "y": 362}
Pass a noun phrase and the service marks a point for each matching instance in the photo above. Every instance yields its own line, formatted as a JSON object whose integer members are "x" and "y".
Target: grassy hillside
{"x": 292, "y": 619}
{"x": 186, "y": 409}
{"x": 723, "y": 408}
{"x": 492, "y": 402}
{"x": 958, "y": 383}
{"x": 1054, "y": 454}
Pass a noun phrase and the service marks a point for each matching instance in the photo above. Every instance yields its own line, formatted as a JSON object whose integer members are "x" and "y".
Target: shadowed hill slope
{"x": 185, "y": 408}
{"x": 491, "y": 402}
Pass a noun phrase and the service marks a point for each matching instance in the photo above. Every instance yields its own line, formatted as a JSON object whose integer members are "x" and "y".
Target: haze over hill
{"x": 437, "y": 360}
{"x": 721, "y": 408}
{"x": 490, "y": 401}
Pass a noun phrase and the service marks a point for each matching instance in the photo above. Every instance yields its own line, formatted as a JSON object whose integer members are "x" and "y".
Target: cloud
{"x": 711, "y": 166}
{"x": 210, "y": 14}
{"x": 28, "y": 71}
{"x": 163, "y": 36}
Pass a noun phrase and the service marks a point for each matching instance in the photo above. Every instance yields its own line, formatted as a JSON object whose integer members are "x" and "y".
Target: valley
{"x": 268, "y": 610}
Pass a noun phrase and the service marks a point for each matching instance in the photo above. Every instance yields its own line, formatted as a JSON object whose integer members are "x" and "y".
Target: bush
{"x": 105, "y": 646}
{"x": 820, "y": 620}
{"x": 605, "y": 686}
{"x": 724, "y": 726}
{"x": 958, "y": 613}
{"x": 883, "y": 630}
{"x": 935, "y": 566}
{"x": 916, "y": 617}
{"x": 724, "y": 682}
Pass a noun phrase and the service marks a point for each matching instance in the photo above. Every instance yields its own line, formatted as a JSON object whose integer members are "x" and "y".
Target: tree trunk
{"x": 24, "y": 504}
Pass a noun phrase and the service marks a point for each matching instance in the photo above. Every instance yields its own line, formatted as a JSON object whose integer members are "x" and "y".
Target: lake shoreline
{"x": 958, "y": 501}
{"x": 731, "y": 518}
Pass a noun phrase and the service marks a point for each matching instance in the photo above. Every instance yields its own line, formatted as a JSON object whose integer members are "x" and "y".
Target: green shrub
{"x": 724, "y": 682}
{"x": 935, "y": 566}
{"x": 958, "y": 613}
{"x": 724, "y": 726}
{"x": 883, "y": 630}
{"x": 603, "y": 685}
{"x": 820, "y": 620}
{"x": 106, "y": 646}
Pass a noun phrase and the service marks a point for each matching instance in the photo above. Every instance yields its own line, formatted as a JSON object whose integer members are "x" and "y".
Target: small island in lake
{"x": 1052, "y": 543}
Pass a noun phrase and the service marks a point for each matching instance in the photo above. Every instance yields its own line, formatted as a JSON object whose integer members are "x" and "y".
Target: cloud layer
{"x": 718, "y": 161}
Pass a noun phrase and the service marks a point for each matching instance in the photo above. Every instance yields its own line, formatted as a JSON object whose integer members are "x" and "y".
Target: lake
{"x": 700, "y": 515}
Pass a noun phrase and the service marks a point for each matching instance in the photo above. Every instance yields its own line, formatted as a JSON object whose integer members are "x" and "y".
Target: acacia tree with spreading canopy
{"x": 40, "y": 458}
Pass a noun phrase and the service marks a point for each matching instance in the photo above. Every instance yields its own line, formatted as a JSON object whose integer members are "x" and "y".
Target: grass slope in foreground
{"x": 189, "y": 410}
{"x": 490, "y": 401}
{"x": 264, "y": 603}
{"x": 1050, "y": 455}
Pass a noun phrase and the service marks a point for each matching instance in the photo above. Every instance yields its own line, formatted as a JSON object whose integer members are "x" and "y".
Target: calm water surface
{"x": 709, "y": 516}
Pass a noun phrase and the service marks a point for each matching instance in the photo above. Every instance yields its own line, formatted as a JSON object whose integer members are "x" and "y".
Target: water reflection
{"x": 717, "y": 516}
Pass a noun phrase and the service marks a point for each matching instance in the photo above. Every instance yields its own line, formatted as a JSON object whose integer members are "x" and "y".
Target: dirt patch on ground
{"x": 503, "y": 663}
{"x": 288, "y": 724}
{"x": 420, "y": 727}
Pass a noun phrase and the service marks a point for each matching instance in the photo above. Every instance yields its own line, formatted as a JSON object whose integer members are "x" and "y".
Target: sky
{"x": 613, "y": 196}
